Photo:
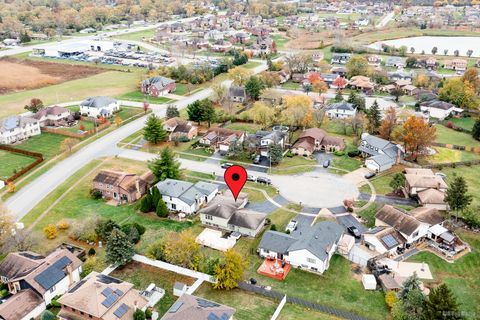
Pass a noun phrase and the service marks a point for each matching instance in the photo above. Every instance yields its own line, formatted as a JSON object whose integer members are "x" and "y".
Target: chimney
{"x": 69, "y": 271}
{"x": 137, "y": 185}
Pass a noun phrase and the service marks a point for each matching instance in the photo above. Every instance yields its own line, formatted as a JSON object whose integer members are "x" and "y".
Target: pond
{"x": 426, "y": 43}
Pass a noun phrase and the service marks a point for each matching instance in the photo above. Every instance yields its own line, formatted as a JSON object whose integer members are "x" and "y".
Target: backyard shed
{"x": 369, "y": 282}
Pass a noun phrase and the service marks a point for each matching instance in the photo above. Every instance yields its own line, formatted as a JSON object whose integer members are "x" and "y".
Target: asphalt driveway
{"x": 348, "y": 221}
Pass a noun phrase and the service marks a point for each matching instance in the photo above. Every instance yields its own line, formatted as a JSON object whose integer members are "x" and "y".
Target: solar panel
{"x": 120, "y": 312}
{"x": 109, "y": 300}
{"x": 53, "y": 274}
{"x": 390, "y": 241}
{"x": 206, "y": 304}
{"x": 119, "y": 292}
{"x": 107, "y": 280}
{"x": 212, "y": 316}
{"x": 174, "y": 308}
{"x": 107, "y": 291}
{"x": 78, "y": 285}
{"x": 224, "y": 317}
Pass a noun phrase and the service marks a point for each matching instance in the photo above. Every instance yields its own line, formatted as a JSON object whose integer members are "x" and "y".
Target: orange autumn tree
{"x": 416, "y": 135}
{"x": 388, "y": 124}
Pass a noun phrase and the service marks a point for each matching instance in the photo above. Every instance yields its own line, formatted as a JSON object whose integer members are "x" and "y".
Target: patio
{"x": 215, "y": 240}
{"x": 274, "y": 269}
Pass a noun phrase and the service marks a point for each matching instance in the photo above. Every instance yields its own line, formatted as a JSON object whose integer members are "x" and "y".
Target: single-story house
{"x": 122, "y": 186}
{"x": 362, "y": 83}
{"x": 178, "y": 128}
{"x": 34, "y": 281}
{"x": 315, "y": 139}
{"x": 186, "y": 197}
{"x": 99, "y": 106}
{"x": 221, "y": 138}
{"x": 189, "y": 307}
{"x": 54, "y": 116}
{"x": 341, "y": 110}
{"x": 237, "y": 94}
{"x": 456, "y": 64}
{"x": 17, "y": 128}
{"x": 101, "y": 297}
{"x": 380, "y": 154}
{"x": 397, "y": 62}
{"x": 440, "y": 109}
{"x": 309, "y": 250}
{"x": 428, "y": 188}
{"x": 157, "y": 86}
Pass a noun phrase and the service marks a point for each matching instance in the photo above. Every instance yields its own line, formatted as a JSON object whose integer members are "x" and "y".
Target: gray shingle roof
{"x": 185, "y": 191}
{"x": 158, "y": 82}
{"x": 342, "y": 106}
{"x": 97, "y": 102}
{"x": 382, "y": 159}
{"x": 12, "y": 122}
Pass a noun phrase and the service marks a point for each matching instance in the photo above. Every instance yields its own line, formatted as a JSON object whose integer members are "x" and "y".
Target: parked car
{"x": 370, "y": 175}
{"x": 226, "y": 165}
{"x": 264, "y": 180}
{"x": 256, "y": 160}
{"x": 251, "y": 177}
{"x": 292, "y": 226}
{"x": 354, "y": 232}
{"x": 326, "y": 163}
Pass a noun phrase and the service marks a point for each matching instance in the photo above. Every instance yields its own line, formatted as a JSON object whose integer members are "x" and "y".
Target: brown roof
{"x": 308, "y": 137}
{"x": 427, "y": 215}
{"x": 172, "y": 122}
{"x": 87, "y": 297}
{"x": 224, "y": 132}
{"x": 419, "y": 171}
{"x": 20, "y": 304}
{"x": 335, "y": 141}
{"x": 431, "y": 196}
{"x": 423, "y": 181}
{"x": 55, "y": 110}
{"x": 397, "y": 219}
{"x": 189, "y": 307}
{"x": 126, "y": 181}
{"x": 19, "y": 264}
{"x": 316, "y": 133}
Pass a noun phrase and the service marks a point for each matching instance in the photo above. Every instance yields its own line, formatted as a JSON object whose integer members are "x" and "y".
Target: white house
{"x": 440, "y": 109}
{"x": 186, "y": 197}
{"x": 341, "y": 110}
{"x": 310, "y": 250}
{"x": 99, "y": 106}
{"x": 17, "y": 128}
{"x": 264, "y": 139}
{"x": 34, "y": 280}
{"x": 381, "y": 153}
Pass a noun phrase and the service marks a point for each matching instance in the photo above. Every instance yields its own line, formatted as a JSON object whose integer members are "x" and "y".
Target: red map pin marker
{"x": 235, "y": 177}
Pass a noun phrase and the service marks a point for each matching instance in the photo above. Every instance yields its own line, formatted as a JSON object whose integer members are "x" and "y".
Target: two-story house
{"x": 34, "y": 280}
{"x": 263, "y": 140}
{"x": 99, "y": 106}
{"x": 341, "y": 110}
{"x": 380, "y": 154}
{"x": 179, "y": 128}
{"x": 428, "y": 188}
{"x": 186, "y": 197}
{"x": 54, "y": 116}
{"x": 17, "y": 128}
{"x": 340, "y": 58}
{"x": 315, "y": 139}
{"x": 122, "y": 186}
{"x": 309, "y": 250}
{"x": 157, "y": 86}
{"x": 221, "y": 138}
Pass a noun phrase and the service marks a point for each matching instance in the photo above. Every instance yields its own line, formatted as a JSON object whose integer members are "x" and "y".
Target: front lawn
{"x": 369, "y": 214}
{"x": 139, "y": 96}
{"x": 346, "y": 163}
{"x": 12, "y": 162}
{"x": 294, "y": 165}
{"x": 461, "y": 276}
{"x": 382, "y": 183}
{"x": 450, "y": 136}
{"x": 128, "y": 112}
{"x": 290, "y": 85}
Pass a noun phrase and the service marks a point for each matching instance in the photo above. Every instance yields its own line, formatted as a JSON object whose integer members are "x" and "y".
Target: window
{"x": 208, "y": 217}
{"x": 174, "y": 206}
{"x": 52, "y": 289}
{"x": 312, "y": 261}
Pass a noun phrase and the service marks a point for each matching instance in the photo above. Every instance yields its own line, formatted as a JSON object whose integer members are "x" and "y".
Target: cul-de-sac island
{"x": 357, "y": 122}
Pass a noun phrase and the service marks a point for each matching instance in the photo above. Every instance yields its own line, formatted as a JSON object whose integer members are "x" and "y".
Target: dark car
{"x": 256, "y": 160}
{"x": 264, "y": 180}
{"x": 226, "y": 165}
{"x": 354, "y": 232}
{"x": 370, "y": 175}
{"x": 326, "y": 163}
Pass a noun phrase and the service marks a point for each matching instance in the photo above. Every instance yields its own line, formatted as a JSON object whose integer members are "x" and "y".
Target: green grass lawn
{"x": 12, "y": 162}
{"x": 461, "y": 276}
{"x": 471, "y": 175}
{"x": 110, "y": 83}
{"x": 465, "y": 123}
{"x": 251, "y": 64}
{"x": 369, "y": 214}
{"x": 76, "y": 128}
{"x": 142, "y": 275}
{"x": 290, "y": 85}
{"x": 450, "y": 136}
{"x": 382, "y": 183}
{"x": 137, "y": 36}
{"x": 295, "y": 312}
{"x": 138, "y": 96}
{"x": 244, "y": 126}
{"x": 128, "y": 112}
{"x": 280, "y": 40}
{"x": 346, "y": 163}
{"x": 46, "y": 143}
{"x": 337, "y": 128}
{"x": 294, "y": 165}
{"x": 445, "y": 155}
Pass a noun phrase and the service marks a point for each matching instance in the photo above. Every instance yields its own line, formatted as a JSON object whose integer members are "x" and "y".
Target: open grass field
{"x": 465, "y": 123}
{"x": 142, "y": 275}
{"x": 110, "y": 83}
{"x": 138, "y": 96}
{"x": 12, "y": 162}
{"x": 128, "y": 112}
{"x": 19, "y": 74}
{"x": 445, "y": 155}
{"x": 137, "y": 36}
{"x": 280, "y": 40}
{"x": 450, "y": 136}
{"x": 461, "y": 276}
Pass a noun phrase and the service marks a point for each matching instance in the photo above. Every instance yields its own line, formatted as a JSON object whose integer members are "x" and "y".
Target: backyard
{"x": 464, "y": 123}
{"x": 450, "y": 136}
{"x": 12, "y": 162}
{"x": 46, "y": 143}
{"x": 444, "y": 155}
{"x": 140, "y": 97}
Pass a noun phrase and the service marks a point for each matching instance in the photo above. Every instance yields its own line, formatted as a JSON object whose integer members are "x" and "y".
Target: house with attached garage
{"x": 55, "y": 116}
{"x": 237, "y": 94}
{"x": 122, "y": 186}
{"x": 310, "y": 250}
{"x": 380, "y": 154}
{"x": 34, "y": 280}
{"x": 397, "y": 62}
{"x": 263, "y": 140}
{"x": 315, "y": 139}
{"x": 17, "y": 128}
{"x": 341, "y": 110}
{"x": 157, "y": 86}
{"x": 179, "y": 128}
{"x": 440, "y": 109}
{"x": 186, "y": 197}
{"x": 99, "y": 106}
{"x": 228, "y": 214}
{"x": 428, "y": 188}
{"x": 340, "y": 58}
{"x": 101, "y": 297}
{"x": 221, "y": 138}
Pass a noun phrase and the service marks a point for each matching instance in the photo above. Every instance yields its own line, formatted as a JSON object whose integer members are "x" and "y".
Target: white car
{"x": 251, "y": 177}
{"x": 292, "y": 226}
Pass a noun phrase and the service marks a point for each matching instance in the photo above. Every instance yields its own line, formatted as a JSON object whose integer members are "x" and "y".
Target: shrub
{"x": 105, "y": 227}
{"x": 47, "y": 315}
{"x": 85, "y": 230}
{"x": 148, "y": 313}
{"x": 183, "y": 139}
{"x": 339, "y": 153}
{"x": 55, "y": 304}
{"x": 391, "y": 299}
{"x": 156, "y": 250}
{"x": 50, "y": 231}
{"x": 449, "y": 124}
{"x": 146, "y": 204}
{"x": 273, "y": 227}
{"x": 162, "y": 210}
{"x": 139, "y": 315}
{"x": 353, "y": 153}
{"x": 95, "y": 194}
{"x": 4, "y": 293}
{"x": 91, "y": 252}
{"x": 289, "y": 154}
{"x": 63, "y": 225}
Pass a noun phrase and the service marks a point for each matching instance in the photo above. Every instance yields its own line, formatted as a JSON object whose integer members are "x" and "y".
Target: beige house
{"x": 121, "y": 186}
{"x": 101, "y": 297}
{"x": 315, "y": 139}
{"x": 456, "y": 64}
{"x": 428, "y": 188}
{"x": 189, "y": 307}
{"x": 178, "y": 128}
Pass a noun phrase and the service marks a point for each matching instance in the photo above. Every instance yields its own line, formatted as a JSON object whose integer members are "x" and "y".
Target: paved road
{"x": 385, "y": 20}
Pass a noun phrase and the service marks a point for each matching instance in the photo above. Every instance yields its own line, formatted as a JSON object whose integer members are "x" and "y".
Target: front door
{"x": 280, "y": 256}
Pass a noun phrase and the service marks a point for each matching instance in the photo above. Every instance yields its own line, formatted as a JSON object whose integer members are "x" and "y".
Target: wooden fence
{"x": 38, "y": 159}
{"x": 77, "y": 135}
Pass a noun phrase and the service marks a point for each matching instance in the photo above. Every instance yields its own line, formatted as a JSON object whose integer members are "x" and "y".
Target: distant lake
{"x": 426, "y": 43}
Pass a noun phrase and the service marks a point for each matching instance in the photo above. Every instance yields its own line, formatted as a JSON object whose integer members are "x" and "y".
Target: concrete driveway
{"x": 321, "y": 158}
{"x": 303, "y": 223}
{"x": 348, "y": 221}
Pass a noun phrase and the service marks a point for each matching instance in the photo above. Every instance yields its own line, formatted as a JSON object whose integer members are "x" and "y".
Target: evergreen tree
{"x": 398, "y": 181}
{"x": 374, "y": 117}
{"x": 24, "y": 37}
{"x": 162, "y": 210}
{"x": 254, "y": 87}
{"x": 201, "y": 110}
{"x": 172, "y": 112}
{"x": 156, "y": 196}
{"x": 338, "y": 96}
{"x": 105, "y": 227}
{"x": 269, "y": 64}
{"x": 153, "y": 131}
{"x": 476, "y": 130}
{"x": 165, "y": 166}
{"x": 139, "y": 315}
{"x": 47, "y": 315}
{"x": 194, "y": 111}
{"x": 208, "y": 111}
{"x": 441, "y": 304}
{"x": 410, "y": 284}
{"x": 276, "y": 153}
{"x": 119, "y": 249}
{"x": 146, "y": 204}
{"x": 457, "y": 195}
